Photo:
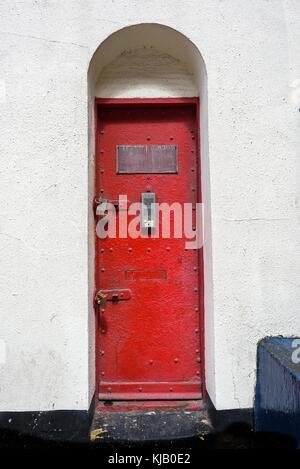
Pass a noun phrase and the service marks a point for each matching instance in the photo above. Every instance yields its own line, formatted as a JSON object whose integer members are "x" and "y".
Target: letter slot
{"x": 148, "y": 210}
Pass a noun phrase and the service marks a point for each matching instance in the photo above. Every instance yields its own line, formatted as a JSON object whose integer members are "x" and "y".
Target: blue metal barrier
{"x": 277, "y": 404}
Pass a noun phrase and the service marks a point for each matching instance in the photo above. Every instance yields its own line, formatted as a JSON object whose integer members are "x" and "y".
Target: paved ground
{"x": 238, "y": 436}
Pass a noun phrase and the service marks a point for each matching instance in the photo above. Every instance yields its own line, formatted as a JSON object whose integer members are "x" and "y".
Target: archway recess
{"x": 153, "y": 45}
{"x": 155, "y": 61}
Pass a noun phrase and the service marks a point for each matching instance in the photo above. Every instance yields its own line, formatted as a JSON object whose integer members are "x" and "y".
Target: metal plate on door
{"x": 138, "y": 159}
{"x": 114, "y": 294}
{"x": 145, "y": 274}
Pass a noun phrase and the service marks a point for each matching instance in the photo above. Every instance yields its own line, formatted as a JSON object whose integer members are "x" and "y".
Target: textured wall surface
{"x": 252, "y": 57}
{"x": 145, "y": 73}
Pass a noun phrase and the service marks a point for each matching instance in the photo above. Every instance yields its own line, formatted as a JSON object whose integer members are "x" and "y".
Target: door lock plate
{"x": 102, "y": 205}
{"x": 115, "y": 294}
{"x": 148, "y": 210}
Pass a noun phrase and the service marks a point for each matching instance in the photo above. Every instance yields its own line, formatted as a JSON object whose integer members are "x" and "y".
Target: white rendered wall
{"x": 252, "y": 57}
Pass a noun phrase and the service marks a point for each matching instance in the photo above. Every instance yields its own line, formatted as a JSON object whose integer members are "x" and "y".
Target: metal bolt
{"x": 176, "y": 360}
{"x": 111, "y": 249}
{"x": 148, "y": 138}
{"x": 102, "y": 250}
{"x": 196, "y": 330}
{"x": 171, "y": 138}
{"x": 197, "y": 351}
{"x": 195, "y": 269}
{"x": 102, "y": 132}
{"x": 140, "y": 389}
{"x": 196, "y": 310}
{"x": 168, "y": 248}
{"x": 102, "y": 352}
{"x": 109, "y": 389}
{"x": 151, "y": 362}
{"x": 103, "y": 331}
{"x": 102, "y": 269}
{"x": 102, "y": 310}
{"x": 171, "y": 389}
{"x": 102, "y": 373}
{"x": 129, "y": 249}
{"x": 195, "y": 289}
{"x": 149, "y": 249}
{"x": 198, "y": 359}
{"x": 102, "y": 171}
{"x": 102, "y": 190}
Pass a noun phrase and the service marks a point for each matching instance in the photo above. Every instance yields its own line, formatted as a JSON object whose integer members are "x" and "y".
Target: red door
{"x": 148, "y": 320}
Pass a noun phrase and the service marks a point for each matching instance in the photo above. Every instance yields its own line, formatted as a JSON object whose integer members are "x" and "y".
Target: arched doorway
{"x": 160, "y": 71}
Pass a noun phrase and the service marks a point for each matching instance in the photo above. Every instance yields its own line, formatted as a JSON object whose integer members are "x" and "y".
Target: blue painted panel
{"x": 277, "y": 404}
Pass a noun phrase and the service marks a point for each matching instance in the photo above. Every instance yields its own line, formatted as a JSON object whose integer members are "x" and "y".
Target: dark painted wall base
{"x": 222, "y": 420}
{"x": 56, "y": 425}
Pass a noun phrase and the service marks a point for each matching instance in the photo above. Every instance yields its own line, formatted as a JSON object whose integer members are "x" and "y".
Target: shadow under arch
{"x": 169, "y": 41}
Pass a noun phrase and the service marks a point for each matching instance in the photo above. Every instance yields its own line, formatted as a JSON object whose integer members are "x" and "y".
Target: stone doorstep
{"x": 150, "y": 424}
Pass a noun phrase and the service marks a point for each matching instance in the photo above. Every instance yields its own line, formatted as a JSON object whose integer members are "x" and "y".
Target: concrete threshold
{"x": 149, "y": 421}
